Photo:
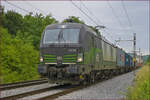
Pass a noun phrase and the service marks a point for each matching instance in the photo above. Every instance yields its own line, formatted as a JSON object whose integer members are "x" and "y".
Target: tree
{"x": 35, "y": 26}
{"x": 73, "y": 19}
{"x": 19, "y": 59}
{"x": 13, "y": 21}
{"x": 95, "y": 30}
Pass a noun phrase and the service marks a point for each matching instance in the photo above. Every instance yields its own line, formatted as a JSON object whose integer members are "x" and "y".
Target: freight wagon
{"x": 120, "y": 58}
{"x": 128, "y": 60}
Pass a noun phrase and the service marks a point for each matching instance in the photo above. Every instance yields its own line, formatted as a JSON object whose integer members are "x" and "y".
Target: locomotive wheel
{"x": 102, "y": 76}
{"x": 92, "y": 77}
{"x": 85, "y": 83}
{"x": 117, "y": 72}
{"x": 85, "y": 80}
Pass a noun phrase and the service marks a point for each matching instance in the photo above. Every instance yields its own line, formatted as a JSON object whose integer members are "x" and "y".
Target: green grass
{"x": 141, "y": 88}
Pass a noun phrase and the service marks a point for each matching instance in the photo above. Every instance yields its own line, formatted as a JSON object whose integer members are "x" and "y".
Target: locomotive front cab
{"x": 61, "y": 53}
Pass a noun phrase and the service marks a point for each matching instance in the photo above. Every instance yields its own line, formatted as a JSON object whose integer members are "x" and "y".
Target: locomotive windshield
{"x": 61, "y": 36}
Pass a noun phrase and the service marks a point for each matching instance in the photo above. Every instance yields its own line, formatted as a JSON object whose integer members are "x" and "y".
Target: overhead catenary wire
{"x": 84, "y": 13}
{"x": 115, "y": 15}
{"x": 106, "y": 27}
{"x": 27, "y": 11}
{"x": 91, "y": 13}
{"x": 130, "y": 24}
{"x": 111, "y": 36}
{"x": 17, "y": 6}
{"x": 94, "y": 16}
{"x": 41, "y": 11}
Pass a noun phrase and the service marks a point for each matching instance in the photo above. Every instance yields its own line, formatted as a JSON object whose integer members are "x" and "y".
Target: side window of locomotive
{"x": 88, "y": 40}
{"x": 97, "y": 43}
{"x": 93, "y": 40}
{"x": 111, "y": 52}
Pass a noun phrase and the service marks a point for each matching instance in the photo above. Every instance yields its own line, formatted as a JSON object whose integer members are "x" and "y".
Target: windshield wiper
{"x": 60, "y": 37}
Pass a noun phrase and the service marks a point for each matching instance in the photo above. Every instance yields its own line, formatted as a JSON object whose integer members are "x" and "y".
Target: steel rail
{"x": 72, "y": 89}
{"x": 67, "y": 91}
{"x": 22, "y": 84}
{"x": 33, "y": 92}
{"x": 64, "y": 92}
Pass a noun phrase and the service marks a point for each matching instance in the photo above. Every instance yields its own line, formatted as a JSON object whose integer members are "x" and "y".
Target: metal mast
{"x": 134, "y": 49}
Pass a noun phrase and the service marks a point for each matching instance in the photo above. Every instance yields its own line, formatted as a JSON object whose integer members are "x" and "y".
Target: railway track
{"x": 60, "y": 90}
{"x": 22, "y": 84}
{"x": 61, "y": 93}
{"x": 67, "y": 91}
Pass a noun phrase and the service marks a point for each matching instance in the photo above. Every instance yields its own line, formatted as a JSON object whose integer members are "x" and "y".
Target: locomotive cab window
{"x": 51, "y": 36}
{"x": 61, "y": 36}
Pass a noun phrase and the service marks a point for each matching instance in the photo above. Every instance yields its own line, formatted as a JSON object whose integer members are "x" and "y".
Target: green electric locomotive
{"x": 73, "y": 53}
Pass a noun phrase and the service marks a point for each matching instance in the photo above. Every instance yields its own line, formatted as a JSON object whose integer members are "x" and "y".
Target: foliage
{"x": 35, "y": 25}
{"x": 19, "y": 44}
{"x": 95, "y": 29}
{"x": 18, "y": 58}
{"x": 13, "y": 21}
{"x": 29, "y": 25}
{"x": 73, "y": 19}
{"x": 148, "y": 60}
{"x": 140, "y": 91}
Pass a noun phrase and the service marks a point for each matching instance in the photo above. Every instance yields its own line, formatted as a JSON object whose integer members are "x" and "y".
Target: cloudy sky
{"x": 121, "y": 18}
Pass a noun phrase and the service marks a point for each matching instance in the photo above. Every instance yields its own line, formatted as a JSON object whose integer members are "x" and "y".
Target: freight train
{"x": 74, "y": 53}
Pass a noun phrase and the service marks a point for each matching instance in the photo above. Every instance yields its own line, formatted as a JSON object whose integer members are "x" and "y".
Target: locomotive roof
{"x": 68, "y": 25}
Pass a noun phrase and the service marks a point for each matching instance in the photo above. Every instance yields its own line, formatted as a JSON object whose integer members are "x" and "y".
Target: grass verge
{"x": 141, "y": 88}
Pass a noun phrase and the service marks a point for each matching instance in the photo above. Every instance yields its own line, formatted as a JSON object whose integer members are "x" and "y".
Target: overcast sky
{"x": 112, "y": 14}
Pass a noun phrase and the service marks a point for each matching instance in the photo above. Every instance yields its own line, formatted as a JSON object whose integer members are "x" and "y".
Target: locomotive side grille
{"x": 69, "y": 58}
{"x": 50, "y": 58}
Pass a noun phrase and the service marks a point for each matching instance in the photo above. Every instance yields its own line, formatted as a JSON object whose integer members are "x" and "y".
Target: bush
{"x": 19, "y": 59}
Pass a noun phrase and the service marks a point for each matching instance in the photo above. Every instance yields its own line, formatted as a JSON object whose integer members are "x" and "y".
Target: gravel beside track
{"x": 114, "y": 88}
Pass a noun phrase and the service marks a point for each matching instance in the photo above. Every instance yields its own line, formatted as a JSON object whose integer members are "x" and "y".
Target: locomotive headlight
{"x": 41, "y": 59}
{"x": 80, "y": 57}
